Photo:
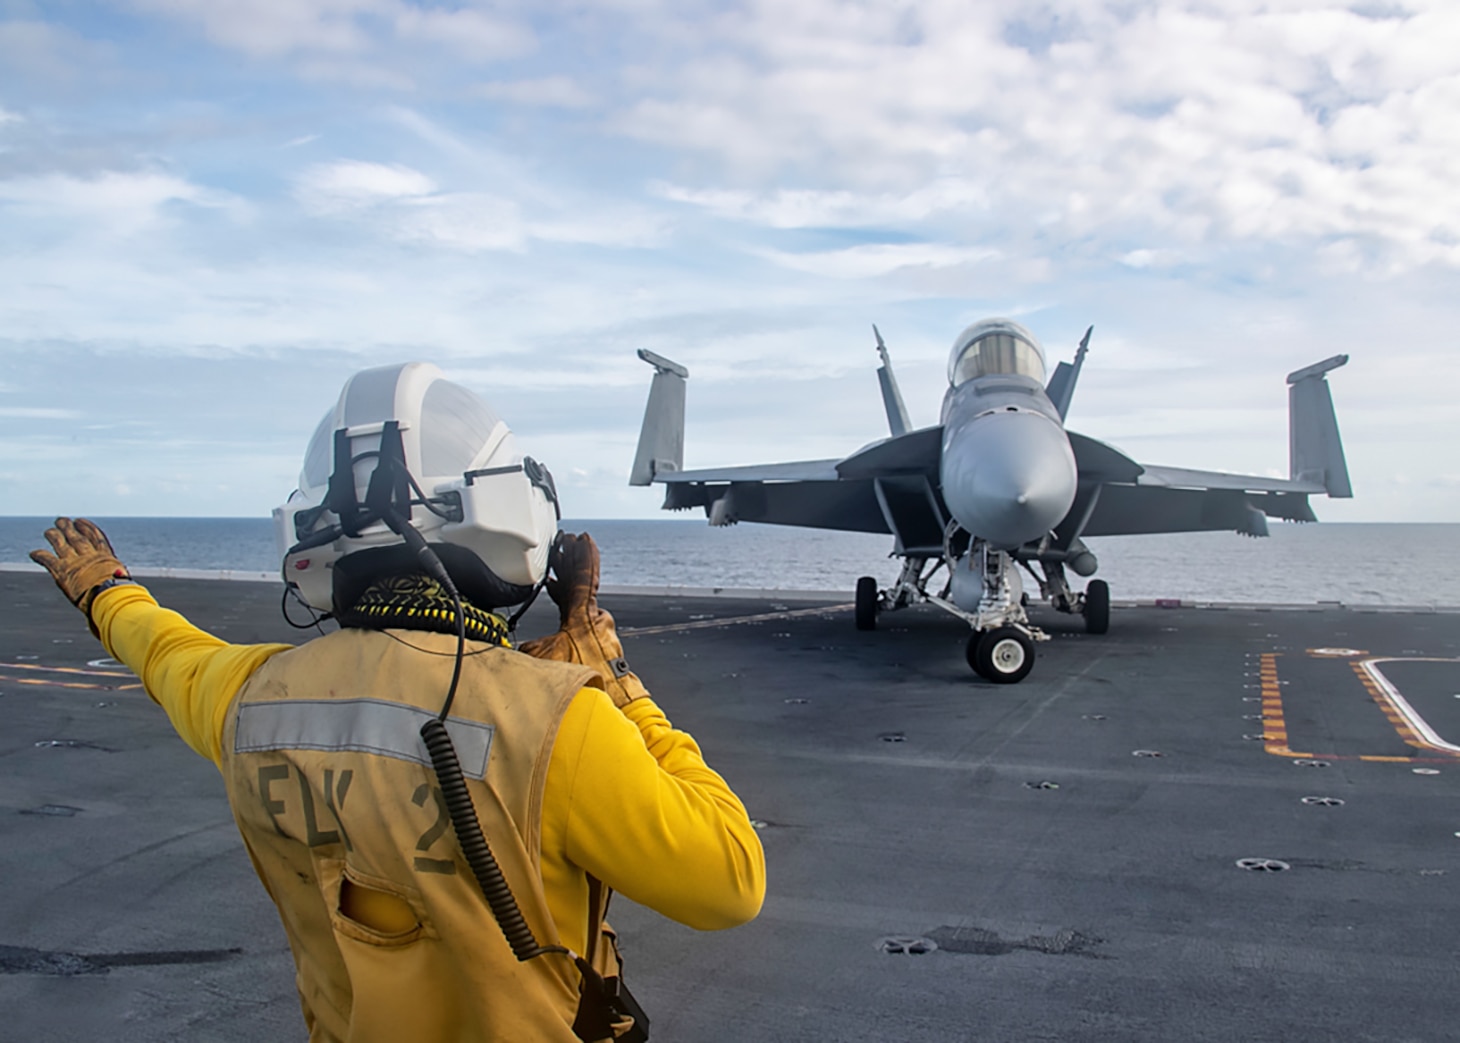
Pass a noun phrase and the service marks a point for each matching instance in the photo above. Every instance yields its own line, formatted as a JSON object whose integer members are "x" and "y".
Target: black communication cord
{"x": 452, "y": 779}
{"x": 314, "y": 624}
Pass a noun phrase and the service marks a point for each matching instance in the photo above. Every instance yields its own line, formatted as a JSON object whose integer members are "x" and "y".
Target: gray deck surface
{"x": 899, "y": 796}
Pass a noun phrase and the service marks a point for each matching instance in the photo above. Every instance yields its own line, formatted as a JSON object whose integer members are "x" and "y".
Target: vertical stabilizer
{"x": 1061, "y": 388}
{"x": 661, "y": 439}
{"x": 891, "y": 396}
{"x": 1315, "y": 451}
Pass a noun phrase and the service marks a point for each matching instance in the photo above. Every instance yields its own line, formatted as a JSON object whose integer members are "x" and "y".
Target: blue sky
{"x": 212, "y": 211}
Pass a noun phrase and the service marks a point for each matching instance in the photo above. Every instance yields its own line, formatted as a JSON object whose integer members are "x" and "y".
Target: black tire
{"x": 1004, "y": 655}
{"x": 1097, "y": 607}
{"x": 866, "y": 603}
{"x": 970, "y": 651}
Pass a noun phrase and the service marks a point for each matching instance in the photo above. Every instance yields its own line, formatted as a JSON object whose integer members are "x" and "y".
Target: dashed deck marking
{"x": 702, "y": 624}
{"x": 66, "y": 670}
{"x": 1274, "y": 726}
{"x": 69, "y": 671}
{"x": 43, "y": 683}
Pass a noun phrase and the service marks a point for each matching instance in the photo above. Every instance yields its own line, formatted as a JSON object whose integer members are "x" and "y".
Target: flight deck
{"x": 1208, "y": 824}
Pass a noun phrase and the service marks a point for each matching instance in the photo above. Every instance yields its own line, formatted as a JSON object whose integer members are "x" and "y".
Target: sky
{"x": 214, "y": 211}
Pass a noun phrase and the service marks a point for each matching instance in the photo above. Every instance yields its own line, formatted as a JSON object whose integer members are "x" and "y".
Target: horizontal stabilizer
{"x": 1315, "y": 450}
{"x": 790, "y": 471}
{"x": 661, "y": 438}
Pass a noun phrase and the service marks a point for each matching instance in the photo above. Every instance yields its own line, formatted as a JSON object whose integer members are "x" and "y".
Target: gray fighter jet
{"x": 999, "y": 485}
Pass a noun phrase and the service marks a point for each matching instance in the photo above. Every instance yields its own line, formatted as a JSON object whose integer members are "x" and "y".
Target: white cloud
{"x": 621, "y": 226}
{"x": 874, "y": 259}
{"x": 116, "y": 201}
{"x": 6, "y": 116}
{"x": 1203, "y": 126}
{"x": 468, "y": 221}
{"x": 406, "y": 205}
{"x": 347, "y": 29}
{"x": 559, "y": 92}
{"x": 812, "y": 208}
{"x": 26, "y": 413}
{"x": 328, "y": 188}
{"x": 476, "y": 36}
{"x": 270, "y": 28}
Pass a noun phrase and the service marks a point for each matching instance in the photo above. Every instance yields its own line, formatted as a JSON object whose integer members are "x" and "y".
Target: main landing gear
{"x": 984, "y": 589}
{"x": 866, "y": 603}
{"x": 1096, "y": 607}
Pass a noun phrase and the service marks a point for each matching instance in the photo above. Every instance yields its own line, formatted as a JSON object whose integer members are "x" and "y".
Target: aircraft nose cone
{"x": 1008, "y": 477}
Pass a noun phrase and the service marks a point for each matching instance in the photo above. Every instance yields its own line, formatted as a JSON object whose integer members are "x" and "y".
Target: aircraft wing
{"x": 891, "y": 478}
{"x": 1185, "y": 478}
{"x": 1116, "y": 502}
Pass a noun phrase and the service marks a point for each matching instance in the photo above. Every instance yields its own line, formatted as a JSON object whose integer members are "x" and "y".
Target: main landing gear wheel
{"x": 1003, "y": 655}
{"x": 1097, "y": 607}
{"x": 866, "y": 603}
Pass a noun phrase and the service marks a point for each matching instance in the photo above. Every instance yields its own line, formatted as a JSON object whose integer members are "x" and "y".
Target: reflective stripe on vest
{"x": 361, "y": 725}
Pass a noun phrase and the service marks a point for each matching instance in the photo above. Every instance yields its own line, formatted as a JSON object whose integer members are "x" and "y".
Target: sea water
{"x": 1357, "y": 564}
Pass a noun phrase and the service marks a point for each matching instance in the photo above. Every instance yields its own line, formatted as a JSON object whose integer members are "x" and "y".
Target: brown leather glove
{"x": 586, "y": 634}
{"x": 83, "y": 564}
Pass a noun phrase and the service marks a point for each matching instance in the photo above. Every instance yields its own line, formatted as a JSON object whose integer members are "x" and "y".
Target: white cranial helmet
{"x": 403, "y": 446}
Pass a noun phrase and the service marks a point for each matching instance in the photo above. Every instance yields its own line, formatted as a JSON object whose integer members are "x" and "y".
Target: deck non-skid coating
{"x": 1067, "y": 889}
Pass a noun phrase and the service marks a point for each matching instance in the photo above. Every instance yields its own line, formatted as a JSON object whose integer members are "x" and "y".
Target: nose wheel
{"x": 1004, "y": 655}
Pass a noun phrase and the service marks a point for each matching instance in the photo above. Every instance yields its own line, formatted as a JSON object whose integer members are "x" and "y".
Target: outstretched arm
{"x": 187, "y": 671}
{"x": 191, "y": 674}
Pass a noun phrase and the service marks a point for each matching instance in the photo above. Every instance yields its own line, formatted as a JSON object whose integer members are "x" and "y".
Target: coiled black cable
{"x": 449, "y": 775}
{"x": 474, "y": 845}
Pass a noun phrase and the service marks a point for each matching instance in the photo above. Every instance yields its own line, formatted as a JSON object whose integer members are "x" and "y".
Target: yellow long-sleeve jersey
{"x": 670, "y": 834}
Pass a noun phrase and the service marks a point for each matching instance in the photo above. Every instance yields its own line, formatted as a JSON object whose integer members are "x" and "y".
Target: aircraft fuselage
{"x": 1008, "y": 474}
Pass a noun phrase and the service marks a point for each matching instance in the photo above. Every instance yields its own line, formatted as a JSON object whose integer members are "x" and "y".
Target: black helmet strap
{"x": 389, "y": 491}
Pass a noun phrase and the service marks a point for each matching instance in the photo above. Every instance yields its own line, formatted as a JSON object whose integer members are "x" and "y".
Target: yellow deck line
{"x": 66, "y": 670}
{"x": 68, "y": 684}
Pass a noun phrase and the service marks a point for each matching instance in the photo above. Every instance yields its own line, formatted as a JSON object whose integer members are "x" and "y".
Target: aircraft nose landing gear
{"x": 989, "y": 599}
{"x": 1004, "y": 655}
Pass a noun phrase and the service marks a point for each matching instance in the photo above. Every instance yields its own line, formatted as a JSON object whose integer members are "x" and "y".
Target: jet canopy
{"x": 995, "y": 346}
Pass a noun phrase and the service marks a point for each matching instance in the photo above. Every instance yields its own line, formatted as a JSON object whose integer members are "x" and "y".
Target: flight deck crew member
{"x": 578, "y": 781}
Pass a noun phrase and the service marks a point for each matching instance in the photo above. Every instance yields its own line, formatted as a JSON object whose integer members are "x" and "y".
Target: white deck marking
{"x": 1401, "y": 705}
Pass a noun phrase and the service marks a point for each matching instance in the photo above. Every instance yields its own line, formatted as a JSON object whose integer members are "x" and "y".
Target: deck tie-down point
{"x": 1262, "y": 865}
{"x": 907, "y": 946}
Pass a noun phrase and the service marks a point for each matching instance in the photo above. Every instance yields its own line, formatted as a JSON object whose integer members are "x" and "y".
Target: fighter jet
{"x": 999, "y": 485}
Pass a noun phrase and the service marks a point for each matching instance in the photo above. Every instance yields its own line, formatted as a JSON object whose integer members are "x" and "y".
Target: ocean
{"x": 1357, "y": 564}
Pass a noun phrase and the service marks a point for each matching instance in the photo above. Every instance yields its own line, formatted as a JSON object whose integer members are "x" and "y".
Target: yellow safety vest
{"x": 332, "y": 788}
